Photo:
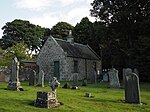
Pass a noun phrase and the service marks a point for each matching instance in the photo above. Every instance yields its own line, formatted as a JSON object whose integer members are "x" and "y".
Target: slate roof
{"x": 77, "y": 50}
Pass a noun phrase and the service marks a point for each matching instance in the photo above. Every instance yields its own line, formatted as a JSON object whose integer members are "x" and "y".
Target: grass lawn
{"x": 105, "y": 99}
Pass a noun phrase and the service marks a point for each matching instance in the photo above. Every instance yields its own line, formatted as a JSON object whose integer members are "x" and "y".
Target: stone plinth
{"x": 14, "y": 86}
{"x": 46, "y": 100}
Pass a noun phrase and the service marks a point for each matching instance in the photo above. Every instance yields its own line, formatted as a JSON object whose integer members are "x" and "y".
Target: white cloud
{"x": 32, "y": 4}
{"x": 45, "y": 21}
{"x": 53, "y": 11}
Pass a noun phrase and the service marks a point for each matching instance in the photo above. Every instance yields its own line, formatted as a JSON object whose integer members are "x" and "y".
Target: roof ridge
{"x": 69, "y": 42}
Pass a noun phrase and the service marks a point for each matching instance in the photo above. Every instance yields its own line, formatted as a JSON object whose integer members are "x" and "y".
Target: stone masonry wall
{"x": 49, "y": 53}
{"x": 82, "y": 70}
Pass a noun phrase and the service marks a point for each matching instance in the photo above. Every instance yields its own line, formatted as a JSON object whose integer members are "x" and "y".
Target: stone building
{"x": 63, "y": 59}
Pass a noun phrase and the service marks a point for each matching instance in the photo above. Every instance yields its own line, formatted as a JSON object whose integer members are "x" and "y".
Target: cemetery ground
{"x": 104, "y": 99}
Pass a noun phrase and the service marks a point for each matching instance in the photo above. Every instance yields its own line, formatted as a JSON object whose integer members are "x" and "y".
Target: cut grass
{"x": 104, "y": 99}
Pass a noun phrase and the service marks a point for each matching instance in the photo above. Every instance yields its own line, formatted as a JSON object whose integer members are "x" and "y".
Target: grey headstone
{"x": 126, "y": 71}
{"x": 105, "y": 77}
{"x": 84, "y": 82}
{"x": 136, "y": 71}
{"x": 14, "y": 83}
{"x": 15, "y": 70}
{"x": 66, "y": 86}
{"x": 32, "y": 77}
{"x": 41, "y": 79}
{"x": 54, "y": 84}
{"x": 75, "y": 79}
{"x": 93, "y": 77}
{"x": 113, "y": 78}
{"x": 132, "y": 90}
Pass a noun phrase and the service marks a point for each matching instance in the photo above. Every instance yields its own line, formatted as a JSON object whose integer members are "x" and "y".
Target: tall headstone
{"x": 93, "y": 77}
{"x": 75, "y": 79}
{"x": 14, "y": 83}
{"x": 113, "y": 78}
{"x": 41, "y": 79}
{"x": 32, "y": 77}
{"x": 132, "y": 90}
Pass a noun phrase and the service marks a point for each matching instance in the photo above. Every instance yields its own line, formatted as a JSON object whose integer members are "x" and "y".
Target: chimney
{"x": 70, "y": 37}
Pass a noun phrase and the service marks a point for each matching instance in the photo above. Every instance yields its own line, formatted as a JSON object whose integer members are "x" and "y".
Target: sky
{"x": 45, "y": 13}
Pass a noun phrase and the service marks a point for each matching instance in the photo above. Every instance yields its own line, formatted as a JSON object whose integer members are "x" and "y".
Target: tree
{"x": 22, "y": 31}
{"x": 127, "y": 21}
{"x": 61, "y": 30}
{"x": 81, "y": 31}
{"x": 18, "y": 50}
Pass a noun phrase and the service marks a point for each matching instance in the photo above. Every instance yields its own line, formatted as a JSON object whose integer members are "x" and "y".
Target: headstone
{"x": 84, "y": 82}
{"x": 14, "y": 83}
{"x": 105, "y": 77}
{"x": 75, "y": 79}
{"x": 93, "y": 77}
{"x": 113, "y": 78}
{"x": 132, "y": 90}
{"x": 48, "y": 99}
{"x": 88, "y": 95}
{"x": 126, "y": 71}
{"x": 32, "y": 77}
{"x": 66, "y": 86}
{"x": 54, "y": 84}
{"x": 41, "y": 79}
{"x": 136, "y": 71}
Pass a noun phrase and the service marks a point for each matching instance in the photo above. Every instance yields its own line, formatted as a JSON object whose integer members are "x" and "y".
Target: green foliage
{"x": 105, "y": 99}
{"x": 128, "y": 24}
{"x": 22, "y": 31}
{"x": 19, "y": 50}
{"x": 61, "y": 30}
{"x": 81, "y": 31}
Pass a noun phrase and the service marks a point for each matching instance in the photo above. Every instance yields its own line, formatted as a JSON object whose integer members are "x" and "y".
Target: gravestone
{"x": 14, "y": 83}
{"x": 75, "y": 81}
{"x": 126, "y": 71}
{"x": 54, "y": 84}
{"x": 93, "y": 77}
{"x": 105, "y": 77}
{"x": 66, "y": 86}
{"x": 132, "y": 90}
{"x": 84, "y": 82}
{"x": 41, "y": 79}
{"x": 32, "y": 77}
{"x": 48, "y": 99}
{"x": 113, "y": 78}
{"x": 136, "y": 71}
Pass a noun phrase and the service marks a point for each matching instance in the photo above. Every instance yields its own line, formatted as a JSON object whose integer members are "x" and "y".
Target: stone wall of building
{"x": 49, "y": 53}
{"x": 84, "y": 68}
